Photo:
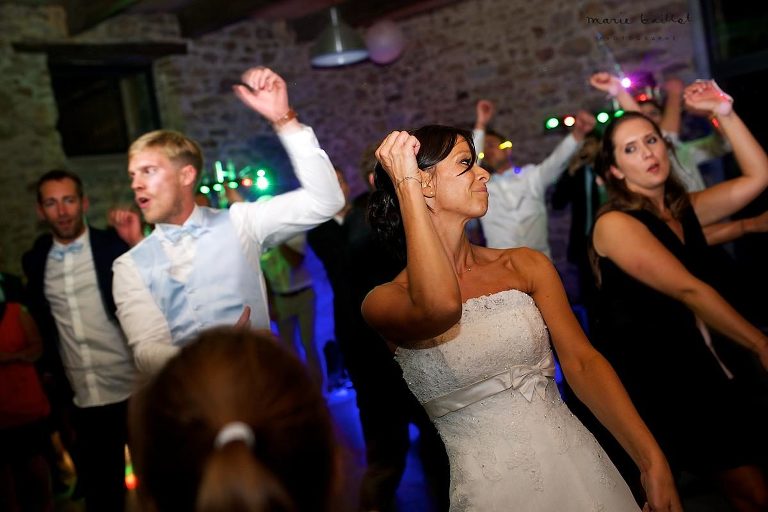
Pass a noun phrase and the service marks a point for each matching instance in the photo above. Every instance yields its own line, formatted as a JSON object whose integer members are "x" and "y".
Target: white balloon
{"x": 385, "y": 41}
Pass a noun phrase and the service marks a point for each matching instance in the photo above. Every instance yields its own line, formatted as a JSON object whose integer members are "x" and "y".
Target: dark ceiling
{"x": 197, "y": 17}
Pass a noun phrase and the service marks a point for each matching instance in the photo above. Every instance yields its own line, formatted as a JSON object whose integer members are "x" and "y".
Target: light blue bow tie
{"x": 174, "y": 233}
{"x": 59, "y": 251}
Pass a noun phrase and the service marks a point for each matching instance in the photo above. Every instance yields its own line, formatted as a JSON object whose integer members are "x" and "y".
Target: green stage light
{"x": 552, "y": 123}
{"x": 603, "y": 117}
{"x": 205, "y": 189}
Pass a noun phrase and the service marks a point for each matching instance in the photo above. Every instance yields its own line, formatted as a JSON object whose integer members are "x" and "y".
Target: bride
{"x": 473, "y": 325}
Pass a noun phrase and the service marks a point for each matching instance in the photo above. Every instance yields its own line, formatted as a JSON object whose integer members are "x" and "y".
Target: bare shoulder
{"x": 615, "y": 219}
{"x": 525, "y": 259}
{"x": 614, "y": 227}
{"x": 529, "y": 267}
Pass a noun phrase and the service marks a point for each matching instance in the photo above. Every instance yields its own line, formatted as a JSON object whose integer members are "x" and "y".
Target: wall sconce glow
{"x": 507, "y": 144}
{"x": 626, "y": 83}
{"x": 552, "y": 123}
{"x": 602, "y": 117}
{"x": 569, "y": 121}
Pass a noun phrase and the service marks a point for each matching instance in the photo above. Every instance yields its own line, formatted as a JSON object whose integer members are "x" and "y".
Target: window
{"x": 103, "y": 108}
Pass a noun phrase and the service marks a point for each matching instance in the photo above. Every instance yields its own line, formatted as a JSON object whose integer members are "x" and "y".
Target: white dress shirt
{"x": 689, "y": 154}
{"x": 93, "y": 349}
{"x": 258, "y": 224}
{"x": 517, "y": 209}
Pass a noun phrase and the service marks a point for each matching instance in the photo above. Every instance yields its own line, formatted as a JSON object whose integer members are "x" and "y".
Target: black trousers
{"x": 101, "y": 435}
{"x": 387, "y": 407}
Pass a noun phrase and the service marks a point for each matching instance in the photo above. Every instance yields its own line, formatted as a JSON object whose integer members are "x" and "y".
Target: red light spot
{"x": 247, "y": 182}
{"x": 131, "y": 482}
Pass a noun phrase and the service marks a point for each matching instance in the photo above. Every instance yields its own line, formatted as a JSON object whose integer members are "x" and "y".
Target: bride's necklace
{"x": 472, "y": 257}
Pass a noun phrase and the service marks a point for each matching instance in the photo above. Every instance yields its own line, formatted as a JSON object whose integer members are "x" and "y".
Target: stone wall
{"x": 532, "y": 59}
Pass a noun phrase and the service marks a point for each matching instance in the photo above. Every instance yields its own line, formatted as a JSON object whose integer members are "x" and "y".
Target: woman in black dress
{"x": 656, "y": 304}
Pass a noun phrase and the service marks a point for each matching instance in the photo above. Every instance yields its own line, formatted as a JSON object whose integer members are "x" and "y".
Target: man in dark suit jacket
{"x": 69, "y": 286}
{"x": 355, "y": 263}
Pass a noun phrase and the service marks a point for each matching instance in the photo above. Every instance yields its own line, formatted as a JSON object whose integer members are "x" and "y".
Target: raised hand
{"x": 585, "y": 122}
{"x": 397, "y": 155}
{"x": 264, "y": 91}
{"x": 707, "y": 96}
{"x": 606, "y": 82}
{"x": 127, "y": 224}
{"x": 674, "y": 87}
{"x": 484, "y": 111}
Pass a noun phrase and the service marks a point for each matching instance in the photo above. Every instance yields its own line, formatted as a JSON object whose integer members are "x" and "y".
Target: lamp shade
{"x": 338, "y": 45}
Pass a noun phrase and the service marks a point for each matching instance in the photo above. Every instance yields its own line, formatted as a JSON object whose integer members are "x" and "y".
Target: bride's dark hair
{"x": 436, "y": 143}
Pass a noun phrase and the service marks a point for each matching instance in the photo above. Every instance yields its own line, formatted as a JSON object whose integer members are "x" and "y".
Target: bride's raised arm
{"x": 427, "y": 300}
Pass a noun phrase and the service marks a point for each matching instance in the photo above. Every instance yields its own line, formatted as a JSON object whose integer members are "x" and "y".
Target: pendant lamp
{"x": 338, "y": 45}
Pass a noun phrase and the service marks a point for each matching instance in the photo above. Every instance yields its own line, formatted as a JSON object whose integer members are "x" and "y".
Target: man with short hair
{"x": 69, "y": 274}
{"x": 200, "y": 267}
{"x": 517, "y": 209}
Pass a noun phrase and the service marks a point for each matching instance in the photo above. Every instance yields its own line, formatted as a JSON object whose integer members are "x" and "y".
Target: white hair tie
{"x": 234, "y": 431}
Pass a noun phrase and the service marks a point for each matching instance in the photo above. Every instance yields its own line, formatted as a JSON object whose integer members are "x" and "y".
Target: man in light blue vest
{"x": 200, "y": 266}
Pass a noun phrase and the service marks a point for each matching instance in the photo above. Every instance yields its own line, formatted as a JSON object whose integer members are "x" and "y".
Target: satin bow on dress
{"x": 527, "y": 379}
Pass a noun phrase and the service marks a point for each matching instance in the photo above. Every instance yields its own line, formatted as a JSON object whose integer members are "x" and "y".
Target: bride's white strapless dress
{"x": 513, "y": 444}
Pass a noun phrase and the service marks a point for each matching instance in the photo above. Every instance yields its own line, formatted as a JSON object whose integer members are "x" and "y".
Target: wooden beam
{"x": 103, "y": 54}
{"x": 85, "y": 14}
{"x": 363, "y": 13}
{"x": 200, "y": 17}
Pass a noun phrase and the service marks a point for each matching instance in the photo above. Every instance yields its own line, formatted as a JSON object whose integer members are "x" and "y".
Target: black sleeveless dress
{"x": 696, "y": 413}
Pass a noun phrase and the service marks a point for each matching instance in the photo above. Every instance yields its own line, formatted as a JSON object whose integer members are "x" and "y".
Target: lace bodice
{"x": 512, "y": 443}
{"x": 496, "y": 332}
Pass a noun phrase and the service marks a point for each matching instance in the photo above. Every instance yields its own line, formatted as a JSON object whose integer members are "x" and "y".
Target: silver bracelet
{"x": 399, "y": 182}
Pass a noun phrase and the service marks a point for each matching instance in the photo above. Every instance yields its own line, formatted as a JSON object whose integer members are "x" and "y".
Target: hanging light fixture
{"x": 338, "y": 45}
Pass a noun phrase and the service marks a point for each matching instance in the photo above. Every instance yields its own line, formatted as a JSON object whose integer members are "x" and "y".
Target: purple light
{"x": 517, "y": 170}
{"x": 626, "y": 83}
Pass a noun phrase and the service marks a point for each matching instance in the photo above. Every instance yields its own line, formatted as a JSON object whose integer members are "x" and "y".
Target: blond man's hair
{"x": 177, "y": 147}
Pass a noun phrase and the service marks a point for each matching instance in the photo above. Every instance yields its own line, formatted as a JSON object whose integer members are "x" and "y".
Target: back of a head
{"x": 225, "y": 376}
